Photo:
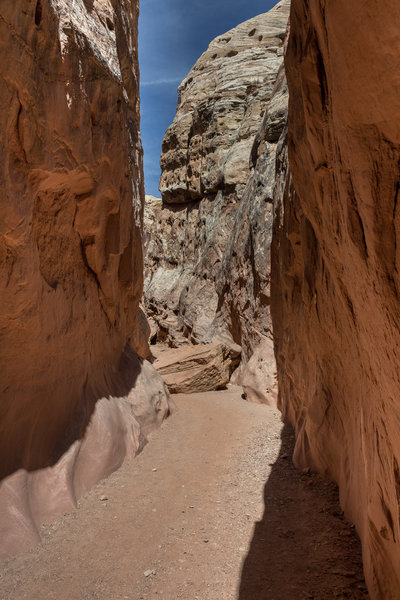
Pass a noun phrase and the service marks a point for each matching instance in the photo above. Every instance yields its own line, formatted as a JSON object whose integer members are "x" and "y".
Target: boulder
{"x": 192, "y": 369}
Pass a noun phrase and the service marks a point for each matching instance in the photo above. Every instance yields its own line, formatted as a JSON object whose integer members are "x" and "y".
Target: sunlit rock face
{"x": 221, "y": 103}
{"x": 70, "y": 245}
{"x": 213, "y": 222}
{"x": 336, "y": 265}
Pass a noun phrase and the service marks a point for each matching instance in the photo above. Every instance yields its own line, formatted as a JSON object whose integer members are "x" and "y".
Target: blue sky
{"x": 172, "y": 36}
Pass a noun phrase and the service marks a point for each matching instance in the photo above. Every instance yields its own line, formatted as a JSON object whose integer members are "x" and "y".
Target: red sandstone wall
{"x": 71, "y": 194}
{"x": 336, "y": 296}
{"x": 70, "y": 250}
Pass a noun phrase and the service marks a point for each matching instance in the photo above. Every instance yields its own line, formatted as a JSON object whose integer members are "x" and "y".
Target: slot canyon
{"x": 198, "y": 388}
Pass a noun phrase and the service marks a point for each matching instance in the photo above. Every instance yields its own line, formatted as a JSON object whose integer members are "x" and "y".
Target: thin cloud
{"x": 162, "y": 81}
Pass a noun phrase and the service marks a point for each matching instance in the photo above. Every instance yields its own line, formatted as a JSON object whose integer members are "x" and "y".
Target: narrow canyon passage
{"x": 211, "y": 510}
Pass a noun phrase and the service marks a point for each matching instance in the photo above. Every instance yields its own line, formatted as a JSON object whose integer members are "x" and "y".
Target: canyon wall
{"x": 335, "y": 267}
{"x": 244, "y": 282}
{"x": 207, "y": 239}
{"x": 73, "y": 339}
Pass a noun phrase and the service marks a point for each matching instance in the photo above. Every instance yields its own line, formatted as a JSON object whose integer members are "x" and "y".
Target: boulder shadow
{"x": 303, "y": 547}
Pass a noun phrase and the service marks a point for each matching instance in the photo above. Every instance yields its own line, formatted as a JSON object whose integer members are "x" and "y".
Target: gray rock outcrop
{"x": 207, "y": 246}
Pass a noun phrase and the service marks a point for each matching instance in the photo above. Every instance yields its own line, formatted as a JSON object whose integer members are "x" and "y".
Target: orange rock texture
{"x": 70, "y": 248}
{"x": 336, "y": 264}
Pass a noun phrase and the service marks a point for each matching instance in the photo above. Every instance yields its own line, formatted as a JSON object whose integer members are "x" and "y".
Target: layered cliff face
{"x": 207, "y": 267}
{"x": 336, "y": 264}
{"x": 70, "y": 255}
{"x": 220, "y": 105}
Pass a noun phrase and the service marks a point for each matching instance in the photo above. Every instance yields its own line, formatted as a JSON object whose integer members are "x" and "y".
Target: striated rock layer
{"x": 220, "y": 106}
{"x": 207, "y": 265}
{"x": 336, "y": 265}
{"x": 70, "y": 253}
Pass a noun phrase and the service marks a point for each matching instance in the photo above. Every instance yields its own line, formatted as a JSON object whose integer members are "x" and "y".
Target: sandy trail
{"x": 211, "y": 510}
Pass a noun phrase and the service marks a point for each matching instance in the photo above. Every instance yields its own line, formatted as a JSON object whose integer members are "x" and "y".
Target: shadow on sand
{"x": 303, "y": 547}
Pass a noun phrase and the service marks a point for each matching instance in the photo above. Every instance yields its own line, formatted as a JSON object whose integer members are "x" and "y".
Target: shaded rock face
{"x": 70, "y": 223}
{"x": 335, "y": 266}
{"x": 183, "y": 259}
{"x": 244, "y": 280}
{"x": 207, "y": 262}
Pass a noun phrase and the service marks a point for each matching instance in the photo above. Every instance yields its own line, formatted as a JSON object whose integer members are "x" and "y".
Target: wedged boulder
{"x": 196, "y": 368}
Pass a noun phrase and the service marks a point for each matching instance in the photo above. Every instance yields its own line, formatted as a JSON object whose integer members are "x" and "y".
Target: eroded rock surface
{"x": 70, "y": 250}
{"x": 207, "y": 264}
{"x": 336, "y": 265}
{"x": 244, "y": 283}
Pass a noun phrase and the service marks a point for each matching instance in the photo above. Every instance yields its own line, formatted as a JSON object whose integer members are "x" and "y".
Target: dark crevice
{"x": 38, "y": 13}
{"x": 322, "y": 78}
{"x": 18, "y": 131}
{"x": 355, "y": 224}
{"x": 110, "y": 24}
{"x": 388, "y": 515}
{"x": 256, "y": 277}
{"x": 317, "y": 309}
{"x": 396, "y": 473}
{"x": 357, "y": 231}
{"x": 396, "y": 199}
{"x": 310, "y": 249}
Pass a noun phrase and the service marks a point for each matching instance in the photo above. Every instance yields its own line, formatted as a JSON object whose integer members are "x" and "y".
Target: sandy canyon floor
{"x": 211, "y": 510}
